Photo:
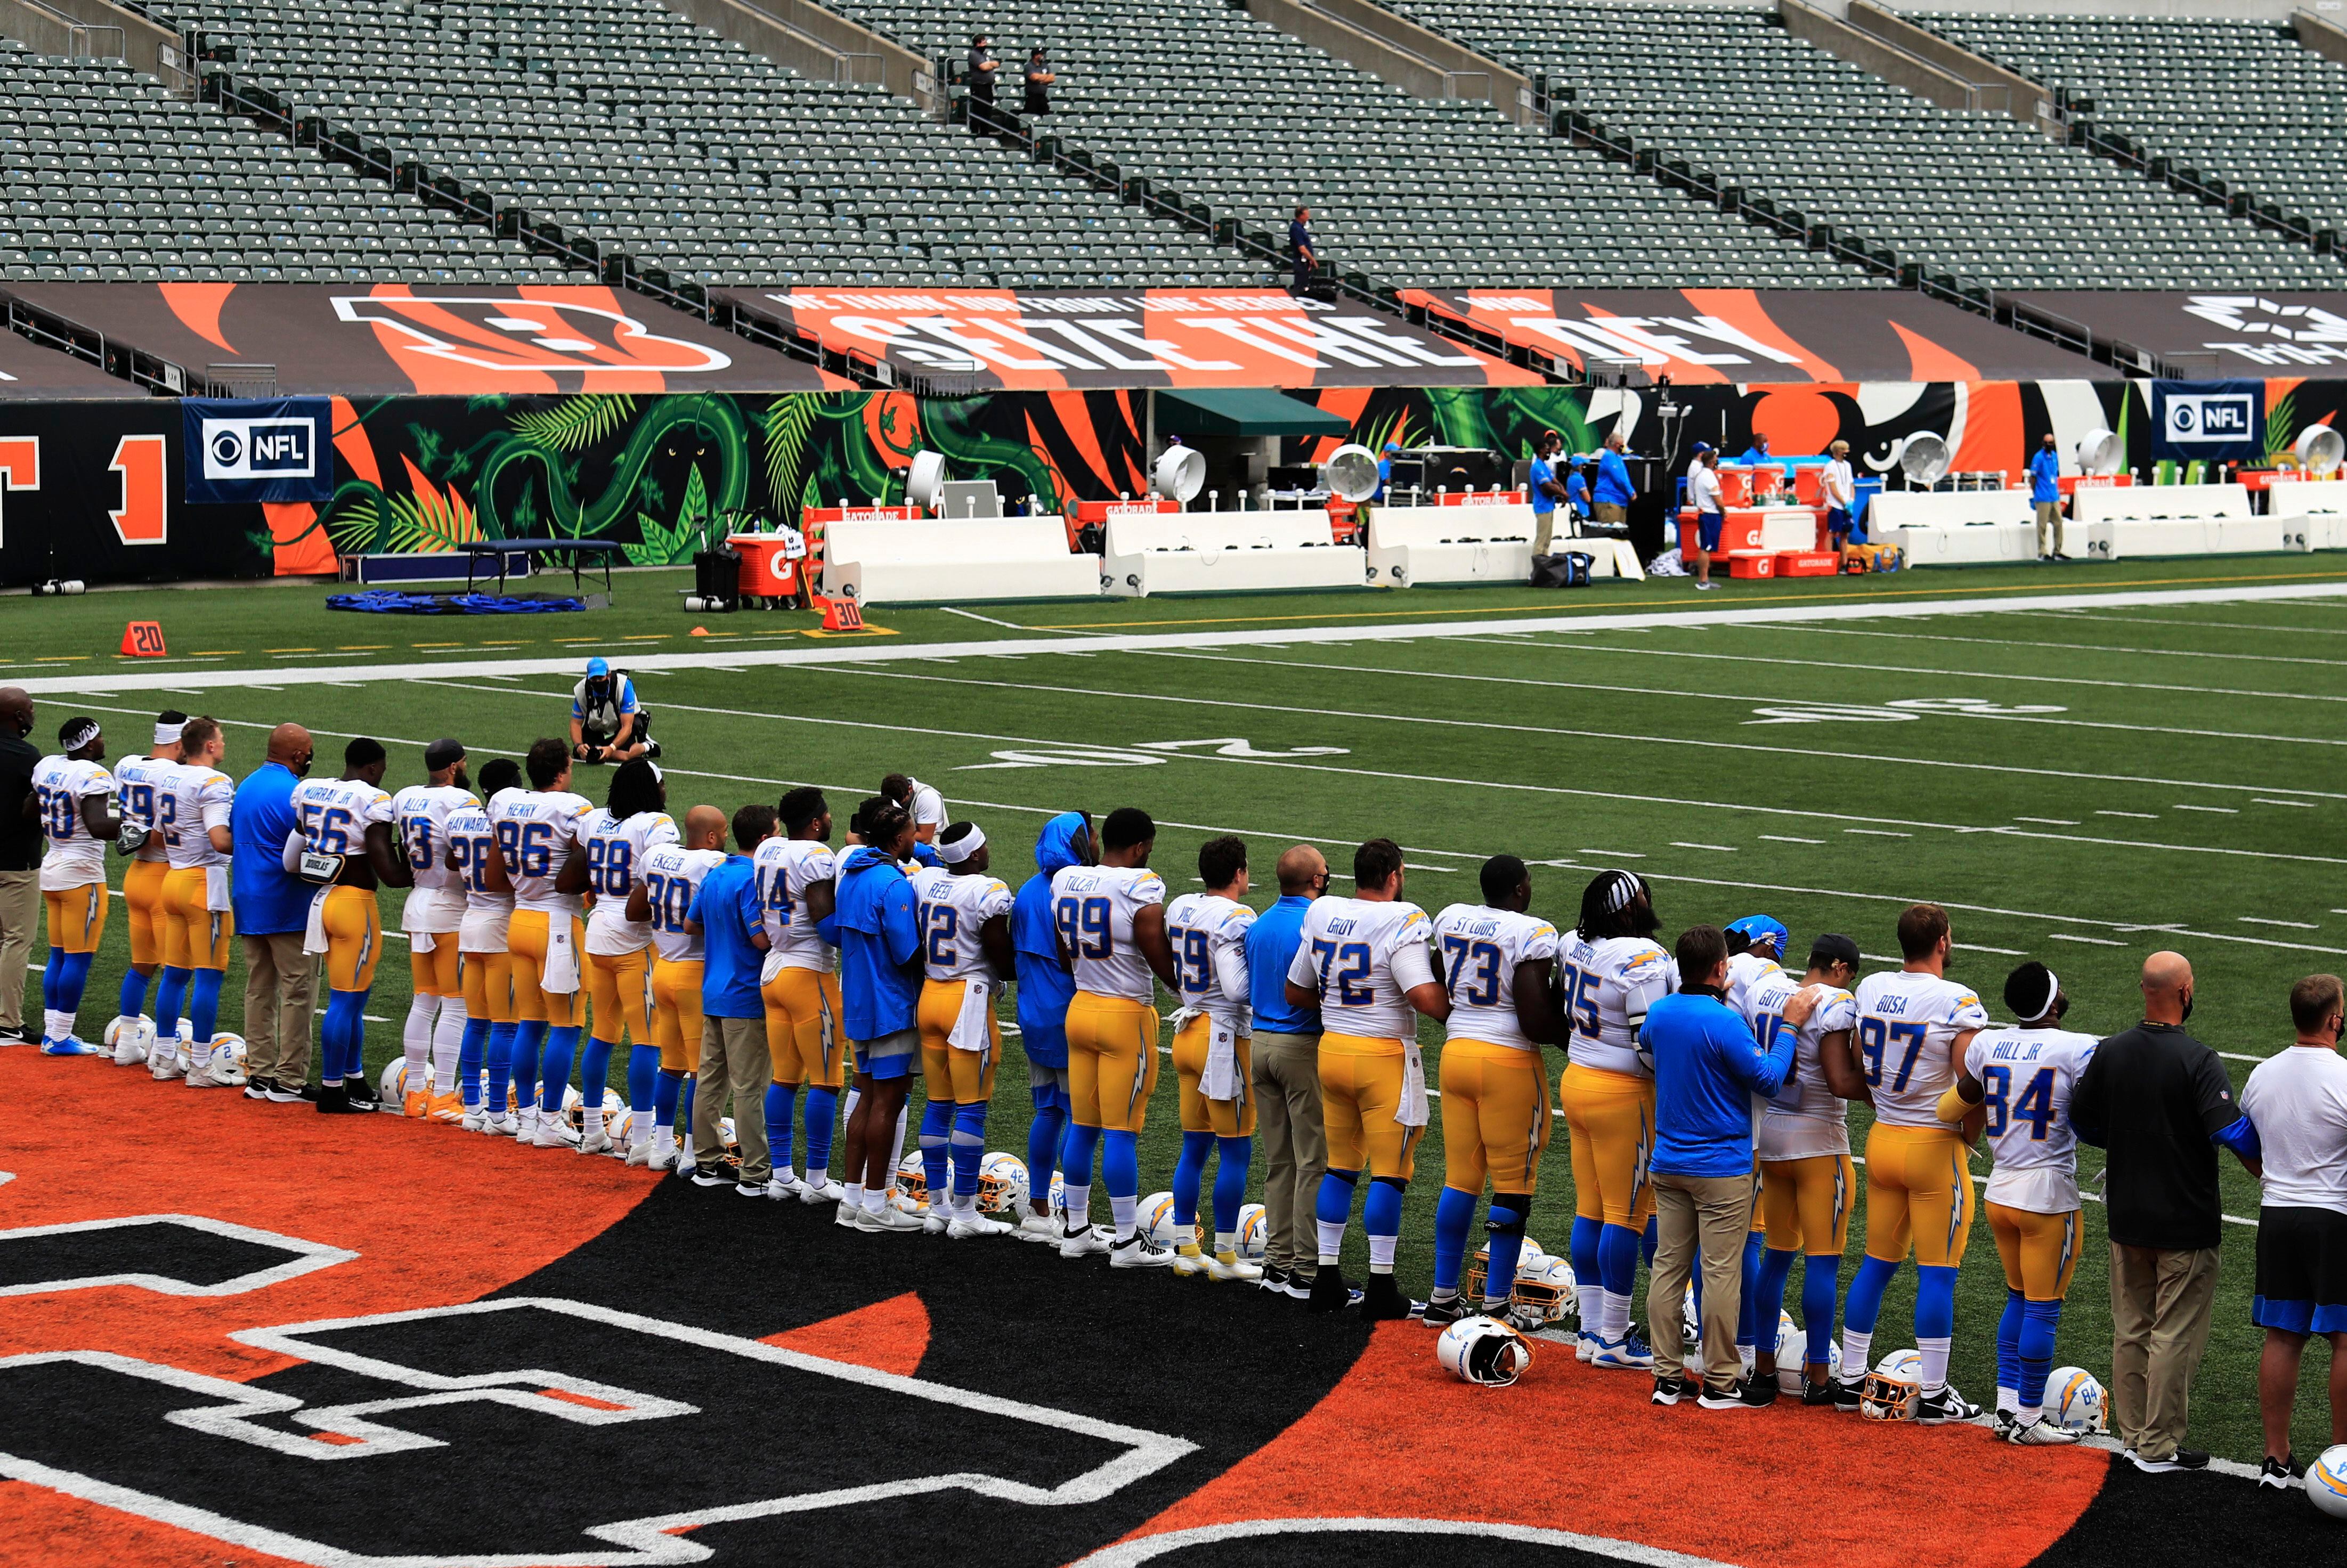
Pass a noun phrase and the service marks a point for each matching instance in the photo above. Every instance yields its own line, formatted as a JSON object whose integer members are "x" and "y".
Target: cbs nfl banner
{"x": 2214, "y": 421}
{"x": 243, "y": 450}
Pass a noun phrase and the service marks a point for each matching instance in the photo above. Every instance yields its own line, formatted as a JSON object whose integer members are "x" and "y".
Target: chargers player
{"x": 1803, "y": 1141}
{"x": 1609, "y": 973}
{"x": 193, "y": 804}
{"x": 615, "y": 841}
{"x": 965, "y": 918}
{"x": 138, "y": 782}
{"x": 2021, "y": 1079}
{"x": 434, "y": 917}
{"x": 1111, "y": 920}
{"x": 661, "y": 898}
{"x": 797, "y": 874}
{"x": 537, "y": 835}
{"x": 1755, "y": 952}
{"x": 1045, "y": 990}
{"x": 1212, "y": 1058}
{"x": 343, "y": 841}
{"x": 1363, "y": 961}
{"x": 71, "y": 790}
{"x": 1498, "y": 963}
{"x": 1914, "y": 1025}
{"x": 483, "y": 963}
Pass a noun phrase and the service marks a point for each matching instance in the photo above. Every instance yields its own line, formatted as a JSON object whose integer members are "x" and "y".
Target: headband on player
{"x": 954, "y": 851}
{"x": 77, "y": 733}
{"x": 2053, "y": 990}
{"x": 169, "y": 734}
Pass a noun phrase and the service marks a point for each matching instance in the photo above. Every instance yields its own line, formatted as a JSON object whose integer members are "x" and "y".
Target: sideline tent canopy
{"x": 1757, "y": 335}
{"x": 1243, "y": 410}
{"x": 387, "y": 339}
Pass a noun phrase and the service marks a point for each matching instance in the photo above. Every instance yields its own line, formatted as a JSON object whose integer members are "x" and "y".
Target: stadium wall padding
{"x": 97, "y": 490}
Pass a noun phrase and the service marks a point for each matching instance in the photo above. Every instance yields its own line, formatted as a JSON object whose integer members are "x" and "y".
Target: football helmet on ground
{"x": 2075, "y": 1401}
{"x": 1483, "y": 1350}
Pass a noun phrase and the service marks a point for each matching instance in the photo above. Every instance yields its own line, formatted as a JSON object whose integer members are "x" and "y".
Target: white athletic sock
{"x": 2008, "y": 1398}
{"x": 1589, "y": 1306}
{"x": 784, "y": 1175}
{"x": 685, "y": 1149}
{"x": 1613, "y": 1314}
{"x": 876, "y": 1202}
{"x": 2027, "y": 1415}
{"x": 902, "y": 1117}
{"x": 1331, "y": 1243}
{"x": 447, "y": 1044}
{"x": 1079, "y": 1201}
{"x": 416, "y": 1036}
{"x": 1748, "y": 1355}
{"x": 663, "y": 1140}
{"x": 1120, "y": 1209}
{"x": 53, "y": 1026}
{"x": 1227, "y": 1243}
{"x": 591, "y": 1120}
{"x": 847, "y": 1106}
{"x": 1381, "y": 1253}
{"x": 1856, "y": 1348}
{"x": 855, "y": 1198}
{"x": 1935, "y": 1363}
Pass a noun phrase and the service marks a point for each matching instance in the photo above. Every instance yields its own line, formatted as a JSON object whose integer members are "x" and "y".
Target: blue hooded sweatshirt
{"x": 879, "y": 946}
{"x": 1045, "y": 988}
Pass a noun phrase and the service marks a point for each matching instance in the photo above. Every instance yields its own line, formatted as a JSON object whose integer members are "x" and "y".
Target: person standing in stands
{"x": 1546, "y": 491}
{"x": 983, "y": 67}
{"x": 1711, "y": 513}
{"x": 1308, "y": 254}
{"x": 1040, "y": 79}
{"x": 1614, "y": 492}
{"x": 2045, "y": 495}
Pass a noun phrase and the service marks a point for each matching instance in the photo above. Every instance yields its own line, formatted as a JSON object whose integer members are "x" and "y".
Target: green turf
{"x": 2187, "y": 758}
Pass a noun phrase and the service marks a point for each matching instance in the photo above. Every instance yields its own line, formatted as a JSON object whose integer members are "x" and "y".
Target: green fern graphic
{"x": 661, "y": 545}
{"x": 787, "y": 421}
{"x": 576, "y": 423}
{"x": 2282, "y": 420}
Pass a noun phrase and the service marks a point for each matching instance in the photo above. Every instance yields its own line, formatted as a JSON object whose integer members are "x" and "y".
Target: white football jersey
{"x": 1364, "y": 956}
{"x": 420, "y": 814}
{"x": 473, "y": 841}
{"x": 1093, "y": 907}
{"x": 1209, "y": 936}
{"x": 191, "y": 801}
{"x": 951, "y": 909}
{"x": 1746, "y": 970}
{"x": 1907, "y": 1024}
{"x": 927, "y": 807}
{"x": 672, "y": 877}
{"x": 1608, "y": 986}
{"x": 141, "y": 781}
{"x": 787, "y": 869}
{"x": 61, "y": 784}
{"x": 536, "y": 829}
{"x": 330, "y": 816}
{"x": 1806, "y": 1120}
{"x": 1479, "y": 949}
{"x": 2027, "y": 1075}
{"x": 616, "y": 847}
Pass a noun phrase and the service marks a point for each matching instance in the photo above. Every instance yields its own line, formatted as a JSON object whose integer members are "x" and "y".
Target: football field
{"x": 2083, "y": 767}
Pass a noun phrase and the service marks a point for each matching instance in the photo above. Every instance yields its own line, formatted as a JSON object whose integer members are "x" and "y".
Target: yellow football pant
{"x": 676, "y": 1014}
{"x": 354, "y": 938}
{"x": 1111, "y": 1061}
{"x": 488, "y": 986}
{"x": 803, "y": 1034}
{"x": 1223, "y": 1118}
{"x": 76, "y": 916}
{"x": 1759, "y": 1210}
{"x": 142, "y": 891}
{"x": 620, "y": 986}
{"x": 1495, "y": 1116}
{"x": 195, "y": 936}
{"x": 947, "y": 1073}
{"x": 526, "y": 937}
{"x": 2040, "y": 1252}
{"x": 1360, "y": 1098}
{"x": 1610, "y": 1119}
{"x": 1806, "y": 1204}
{"x": 1918, "y": 1189}
{"x": 441, "y": 971}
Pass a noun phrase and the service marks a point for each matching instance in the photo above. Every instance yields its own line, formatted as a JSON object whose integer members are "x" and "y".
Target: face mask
{"x": 2187, "y": 1008}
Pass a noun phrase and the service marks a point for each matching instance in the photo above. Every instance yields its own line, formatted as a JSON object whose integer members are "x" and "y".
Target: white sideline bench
{"x": 2122, "y": 521}
{"x": 1412, "y": 546}
{"x": 1954, "y": 528}
{"x": 1226, "y": 552}
{"x": 2321, "y": 502}
{"x": 937, "y": 562}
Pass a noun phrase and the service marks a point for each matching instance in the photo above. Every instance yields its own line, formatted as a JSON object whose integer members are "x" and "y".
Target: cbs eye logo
{"x": 2182, "y": 418}
{"x": 226, "y": 448}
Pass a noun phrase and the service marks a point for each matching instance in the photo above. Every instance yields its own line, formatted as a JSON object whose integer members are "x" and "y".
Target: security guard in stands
{"x": 607, "y": 723}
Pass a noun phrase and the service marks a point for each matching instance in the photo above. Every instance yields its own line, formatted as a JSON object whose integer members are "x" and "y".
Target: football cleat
{"x": 475, "y": 1121}
{"x": 504, "y": 1126}
{"x": 597, "y": 1142}
{"x": 820, "y": 1190}
{"x": 217, "y": 1072}
{"x": 1220, "y": 1266}
{"x": 554, "y": 1133}
{"x": 780, "y": 1188}
{"x": 1383, "y": 1302}
{"x": 891, "y": 1221}
{"x": 1525, "y": 1319}
{"x": 1188, "y": 1260}
{"x": 1477, "y": 1349}
{"x": 164, "y": 1061}
{"x": 1814, "y": 1394}
{"x": 2042, "y": 1433}
{"x": 1329, "y": 1292}
{"x": 1628, "y": 1353}
{"x": 1945, "y": 1407}
{"x": 1032, "y": 1226}
{"x": 447, "y": 1110}
{"x": 1137, "y": 1251}
{"x": 1081, "y": 1240}
{"x": 1849, "y": 1395}
{"x": 851, "y": 1217}
{"x": 1584, "y": 1344}
{"x": 71, "y": 1046}
{"x": 640, "y": 1154}
{"x": 935, "y": 1222}
{"x": 962, "y": 1228}
{"x": 129, "y": 1038}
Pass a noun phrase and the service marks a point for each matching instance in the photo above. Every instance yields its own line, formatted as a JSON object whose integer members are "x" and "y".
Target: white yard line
{"x": 2079, "y": 647}
{"x": 835, "y": 653}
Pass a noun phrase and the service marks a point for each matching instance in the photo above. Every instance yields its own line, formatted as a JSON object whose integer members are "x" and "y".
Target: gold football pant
{"x": 676, "y": 1013}
{"x": 620, "y": 987}
{"x": 1495, "y": 1116}
{"x": 2040, "y": 1252}
{"x": 1919, "y": 1192}
{"x": 527, "y": 935}
{"x": 949, "y": 1072}
{"x": 195, "y": 936}
{"x": 76, "y": 916}
{"x": 803, "y": 1032}
{"x": 1610, "y": 1119}
{"x": 1223, "y": 1118}
{"x": 1804, "y": 1203}
{"x": 1111, "y": 1061}
{"x": 1360, "y": 1104}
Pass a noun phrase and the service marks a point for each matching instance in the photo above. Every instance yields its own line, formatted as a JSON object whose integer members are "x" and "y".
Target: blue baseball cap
{"x": 1393, "y": 445}
{"x": 597, "y": 667}
{"x": 1701, "y": 446}
{"x": 1765, "y": 930}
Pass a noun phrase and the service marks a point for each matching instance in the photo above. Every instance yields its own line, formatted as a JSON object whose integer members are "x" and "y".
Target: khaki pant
{"x": 280, "y": 997}
{"x": 20, "y": 922}
{"x": 1543, "y": 529}
{"x": 2049, "y": 515}
{"x": 733, "y": 1060}
{"x": 1711, "y": 1214}
{"x": 2161, "y": 1305}
{"x": 1294, "y": 1147}
{"x": 1606, "y": 512}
